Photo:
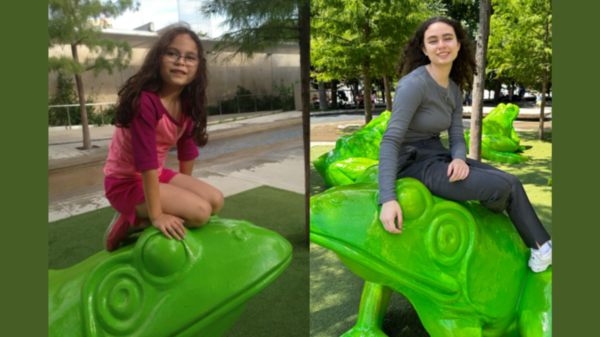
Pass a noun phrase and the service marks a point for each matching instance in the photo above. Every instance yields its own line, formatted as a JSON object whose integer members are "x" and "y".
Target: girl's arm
{"x": 458, "y": 168}
{"x": 166, "y": 223}
{"x": 409, "y": 95}
{"x": 187, "y": 151}
{"x": 186, "y": 166}
{"x": 143, "y": 146}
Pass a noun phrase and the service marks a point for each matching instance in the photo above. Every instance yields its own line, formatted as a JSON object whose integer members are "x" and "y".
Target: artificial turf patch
{"x": 281, "y": 309}
{"x": 335, "y": 291}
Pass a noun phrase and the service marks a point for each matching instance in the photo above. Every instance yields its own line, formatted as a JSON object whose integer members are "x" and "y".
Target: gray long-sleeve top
{"x": 420, "y": 112}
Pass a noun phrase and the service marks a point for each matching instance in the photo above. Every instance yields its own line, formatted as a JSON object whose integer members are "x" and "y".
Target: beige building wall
{"x": 257, "y": 74}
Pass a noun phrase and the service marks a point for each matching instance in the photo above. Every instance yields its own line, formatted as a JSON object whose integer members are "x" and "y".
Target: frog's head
{"x": 377, "y": 125}
{"x": 501, "y": 119}
{"x": 432, "y": 258}
{"x": 198, "y": 285}
{"x": 507, "y": 112}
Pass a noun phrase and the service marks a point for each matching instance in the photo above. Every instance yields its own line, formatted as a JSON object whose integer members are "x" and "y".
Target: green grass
{"x": 335, "y": 291}
{"x": 281, "y": 309}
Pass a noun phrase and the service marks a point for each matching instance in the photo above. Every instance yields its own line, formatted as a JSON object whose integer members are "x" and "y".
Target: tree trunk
{"x": 367, "y": 79}
{"x": 367, "y": 94}
{"x": 87, "y": 142}
{"x": 479, "y": 85}
{"x": 544, "y": 87}
{"x": 388, "y": 93}
{"x": 304, "y": 44}
{"x": 356, "y": 94}
{"x": 322, "y": 95}
{"x": 543, "y": 105}
{"x": 334, "y": 96}
{"x": 497, "y": 90}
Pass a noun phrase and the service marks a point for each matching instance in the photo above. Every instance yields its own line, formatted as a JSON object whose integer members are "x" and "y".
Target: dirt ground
{"x": 330, "y": 132}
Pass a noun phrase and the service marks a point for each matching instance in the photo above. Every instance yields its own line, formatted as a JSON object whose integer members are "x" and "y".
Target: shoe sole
{"x": 110, "y": 227}
{"x": 539, "y": 269}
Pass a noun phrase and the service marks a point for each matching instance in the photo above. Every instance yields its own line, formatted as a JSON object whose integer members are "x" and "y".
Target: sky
{"x": 162, "y": 13}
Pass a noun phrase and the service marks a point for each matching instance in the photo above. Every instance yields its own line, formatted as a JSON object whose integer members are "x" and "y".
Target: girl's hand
{"x": 170, "y": 225}
{"x": 390, "y": 211}
{"x": 458, "y": 169}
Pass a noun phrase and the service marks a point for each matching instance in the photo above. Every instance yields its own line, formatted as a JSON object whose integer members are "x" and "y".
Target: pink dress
{"x": 144, "y": 146}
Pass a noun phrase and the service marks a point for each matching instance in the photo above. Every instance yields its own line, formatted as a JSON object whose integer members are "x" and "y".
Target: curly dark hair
{"x": 148, "y": 79}
{"x": 463, "y": 67}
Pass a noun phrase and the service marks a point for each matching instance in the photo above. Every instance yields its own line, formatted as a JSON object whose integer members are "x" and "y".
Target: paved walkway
{"x": 529, "y": 111}
{"x": 278, "y": 165}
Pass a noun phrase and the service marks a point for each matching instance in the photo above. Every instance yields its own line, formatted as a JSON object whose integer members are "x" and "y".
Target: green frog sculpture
{"x": 163, "y": 287}
{"x": 462, "y": 267}
{"x": 353, "y": 153}
{"x": 499, "y": 141}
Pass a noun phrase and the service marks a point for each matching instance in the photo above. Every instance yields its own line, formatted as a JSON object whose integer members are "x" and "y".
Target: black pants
{"x": 496, "y": 190}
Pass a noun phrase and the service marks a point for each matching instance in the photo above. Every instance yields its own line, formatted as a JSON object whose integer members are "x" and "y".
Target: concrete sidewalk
{"x": 63, "y": 145}
{"x": 278, "y": 165}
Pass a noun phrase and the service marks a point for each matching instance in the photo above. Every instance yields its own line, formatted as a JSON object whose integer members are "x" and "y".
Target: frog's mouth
{"x": 444, "y": 289}
{"x": 236, "y": 302}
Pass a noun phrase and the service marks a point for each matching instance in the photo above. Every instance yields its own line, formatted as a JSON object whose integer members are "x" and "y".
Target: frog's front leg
{"x": 373, "y": 305}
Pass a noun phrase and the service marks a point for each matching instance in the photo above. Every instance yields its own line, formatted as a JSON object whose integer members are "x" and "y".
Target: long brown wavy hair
{"x": 148, "y": 79}
{"x": 463, "y": 67}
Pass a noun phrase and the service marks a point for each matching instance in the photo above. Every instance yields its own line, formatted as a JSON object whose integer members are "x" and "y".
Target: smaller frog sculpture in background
{"x": 499, "y": 141}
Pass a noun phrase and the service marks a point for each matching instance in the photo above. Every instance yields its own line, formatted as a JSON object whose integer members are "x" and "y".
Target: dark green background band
{"x": 24, "y": 204}
{"x": 576, "y": 181}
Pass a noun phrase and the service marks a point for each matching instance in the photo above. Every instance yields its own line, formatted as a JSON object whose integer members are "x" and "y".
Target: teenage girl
{"x": 163, "y": 105}
{"x": 437, "y": 62}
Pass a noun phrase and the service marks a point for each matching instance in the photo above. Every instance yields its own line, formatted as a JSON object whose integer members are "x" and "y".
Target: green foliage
{"x": 68, "y": 24}
{"x": 464, "y": 11}
{"x": 282, "y": 99}
{"x": 350, "y": 37}
{"x": 255, "y": 25}
{"x": 65, "y": 94}
{"x": 520, "y": 44}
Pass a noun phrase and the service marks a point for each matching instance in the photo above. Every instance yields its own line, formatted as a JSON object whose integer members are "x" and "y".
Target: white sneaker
{"x": 538, "y": 262}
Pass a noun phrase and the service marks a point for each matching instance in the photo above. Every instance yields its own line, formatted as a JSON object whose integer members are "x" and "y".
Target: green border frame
{"x": 576, "y": 181}
{"x": 25, "y": 185}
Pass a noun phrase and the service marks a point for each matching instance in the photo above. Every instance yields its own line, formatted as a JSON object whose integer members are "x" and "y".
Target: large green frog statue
{"x": 163, "y": 287}
{"x": 462, "y": 267}
{"x": 499, "y": 141}
{"x": 353, "y": 153}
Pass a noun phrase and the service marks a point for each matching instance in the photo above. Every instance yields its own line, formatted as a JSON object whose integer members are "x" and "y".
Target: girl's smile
{"x": 440, "y": 44}
{"x": 180, "y": 61}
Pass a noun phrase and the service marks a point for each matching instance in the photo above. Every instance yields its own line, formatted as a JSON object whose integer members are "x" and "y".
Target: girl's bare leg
{"x": 180, "y": 202}
{"x": 203, "y": 190}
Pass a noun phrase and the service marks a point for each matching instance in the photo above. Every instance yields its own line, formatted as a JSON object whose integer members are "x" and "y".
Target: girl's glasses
{"x": 187, "y": 60}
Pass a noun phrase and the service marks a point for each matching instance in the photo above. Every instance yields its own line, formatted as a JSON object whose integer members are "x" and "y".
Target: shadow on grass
{"x": 335, "y": 298}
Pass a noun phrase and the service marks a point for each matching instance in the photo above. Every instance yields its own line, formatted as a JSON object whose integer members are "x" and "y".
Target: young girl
{"x": 438, "y": 61}
{"x": 163, "y": 105}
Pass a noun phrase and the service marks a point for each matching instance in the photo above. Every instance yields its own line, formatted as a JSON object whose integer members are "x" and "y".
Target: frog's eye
{"x": 448, "y": 238}
{"x": 337, "y": 198}
{"x": 162, "y": 256}
{"x": 118, "y": 301}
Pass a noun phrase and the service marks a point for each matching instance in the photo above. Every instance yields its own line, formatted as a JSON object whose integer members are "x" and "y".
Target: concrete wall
{"x": 256, "y": 74}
